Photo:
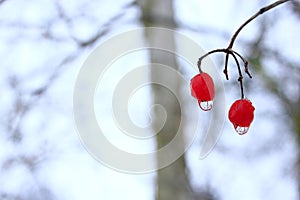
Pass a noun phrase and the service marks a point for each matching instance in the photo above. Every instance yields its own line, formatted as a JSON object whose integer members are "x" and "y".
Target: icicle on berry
{"x": 203, "y": 89}
{"x": 241, "y": 114}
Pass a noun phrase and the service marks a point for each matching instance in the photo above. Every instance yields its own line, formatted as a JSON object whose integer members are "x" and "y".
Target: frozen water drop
{"x": 206, "y": 105}
{"x": 241, "y": 130}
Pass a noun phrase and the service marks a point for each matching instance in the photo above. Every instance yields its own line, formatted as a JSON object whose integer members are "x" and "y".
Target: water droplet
{"x": 206, "y": 105}
{"x": 241, "y": 130}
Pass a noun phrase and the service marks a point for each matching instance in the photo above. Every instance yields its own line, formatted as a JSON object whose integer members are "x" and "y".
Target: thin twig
{"x": 260, "y": 12}
{"x": 244, "y": 61}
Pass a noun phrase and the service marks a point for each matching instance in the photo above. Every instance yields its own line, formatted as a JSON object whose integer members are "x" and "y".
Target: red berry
{"x": 241, "y": 114}
{"x": 203, "y": 89}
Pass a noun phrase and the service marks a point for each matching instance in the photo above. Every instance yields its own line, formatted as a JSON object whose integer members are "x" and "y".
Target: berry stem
{"x": 226, "y": 66}
{"x": 208, "y": 53}
{"x": 240, "y": 79}
{"x": 245, "y": 63}
{"x": 234, "y": 55}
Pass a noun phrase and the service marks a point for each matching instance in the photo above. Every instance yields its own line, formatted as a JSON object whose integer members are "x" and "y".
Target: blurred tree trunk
{"x": 172, "y": 181}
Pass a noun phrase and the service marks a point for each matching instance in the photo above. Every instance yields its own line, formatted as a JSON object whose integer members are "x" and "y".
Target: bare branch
{"x": 2, "y": 1}
{"x": 105, "y": 27}
{"x": 228, "y": 51}
{"x": 260, "y": 12}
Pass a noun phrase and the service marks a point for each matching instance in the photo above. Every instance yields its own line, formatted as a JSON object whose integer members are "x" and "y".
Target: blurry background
{"x": 42, "y": 47}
